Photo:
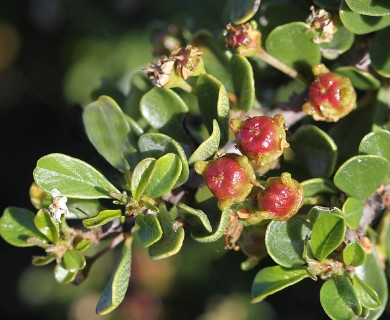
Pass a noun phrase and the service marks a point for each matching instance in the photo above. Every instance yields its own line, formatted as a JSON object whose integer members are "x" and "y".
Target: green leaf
{"x": 319, "y": 211}
{"x": 109, "y": 131}
{"x": 164, "y": 177}
{"x": 273, "y": 279}
{"x": 361, "y": 24}
{"x": 17, "y": 226}
{"x": 148, "y": 229}
{"x": 72, "y": 177}
{"x": 115, "y": 290}
{"x": 354, "y": 254}
{"x": 339, "y": 300}
{"x": 164, "y": 110}
{"x": 330, "y": 4}
{"x": 353, "y": 212}
{"x": 78, "y": 207}
{"x": 141, "y": 177}
{"x": 360, "y": 79}
{"x": 285, "y": 239}
{"x": 213, "y": 104}
{"x": 366, "y": 294}
{"x": 376, "y": 143}
{"x": 342, "y": 41}
{"x": 64, "y": 276}
{"x": 209, "y": 147}
{"x": 380, "y": 60}
{"x": 381, "y": 115}
{"x": 316, "y": 149}
{"x": 372, "y": 273}
{"x": 190, "y": 214}
{"x": 328, "y": 234}
{"x": 40, "y": 261}
{"x": 360, "y": 176}
{"x": 102, "y": 218}
{"x": 47, "y": 226}
{"x": 73, "y": 260}
{"x": 172, "y": 238}
{"x": 316, "y": 186}
{"x": 243, "y": 81}
{"x": 220, "y": 228}
{"x": 302, "y": 52}
{"x": 243, "y": 10}
{"x": 83, "y": 245}
{"x": 370, "y": 8}
{"x": 156, "y": 145}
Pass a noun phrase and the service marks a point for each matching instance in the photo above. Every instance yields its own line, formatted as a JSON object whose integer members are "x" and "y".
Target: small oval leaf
{"x": 148, "y": 229}
{"x": 243, "y": 81}
{"x": 378, "y": 49}
{"x": 102, "y": 218}
{"x": 141, "y": 177}
{"x": 73, "y": 260}
{"x": 353, "y": 212}
{"x": 354, "y": 254}
{"x": 366, "y": 294}
{"x": 370, "y": 8}
{"x": 360, "y": 79}
{"x": 220, "y": 229}
{"x": 40, "y": 261}
{"x": 64, "y": 276}
{"x": 47, "y": 226}
{"x": 199, "y": 216}
{"x": 316, "y": 186}
{"x": 376, "y": 143}
{"x": 243, "y": 10}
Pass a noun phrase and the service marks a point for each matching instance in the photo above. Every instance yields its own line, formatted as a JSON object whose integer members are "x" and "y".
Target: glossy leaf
{"x": 17, "y": 227}
{"x": 47, "y": 226}
{"x": 164, "y": 177}
{"x": 339, "y": 300}
{"x": 109, "y": 131}
{"x": 74, "y": 178}
{"x": 376, "y": 143}
{"x": 370, "y": 8}
{"x": 316, "y": 186}
{"x": 194, "y": 216}
{"x": 141, "y": 177}
{"x": 302, "y": 52}
{"x": 372, "y": 273}
{"x": 360, "y": 176}
{"x": 318, "y": 211}
{"x": 156, "y": 145}
{"x": 78, "y": 208}
{"x": 172, "y": 238}
{"x": 148, "y": 229}
{"x": 102, "y": 218}
{"x": 243, "y": 10}
{"x": 73, "y": 260}
{"x": 354, "y": 254}
{"x": 328, "y": 233}
{"x": 164, "y": 110}
{"x": 366, "y": 294}
{"x": 361, "y": 24}
{"x": 115, "y": 290}
{"x": 360, "y": 79}
{"x": 342, "y": 41}
{"x": 316, "y": 149}
{"x": 243, "y": 81}
{"x": 219, "y": 228}
{"x": 380, "y": 60}
{"x": 40, "y": 261}
{"x": 353, "y": 212}
{"x": 285, "y": 239}
{"x": 273, "y": 279}
{"x": 64, "y": 276}
{"x": 213, "y": 104}
{"x": 208, "y": 147}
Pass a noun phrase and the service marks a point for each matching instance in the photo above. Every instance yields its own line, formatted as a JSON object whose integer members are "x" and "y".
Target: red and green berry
{"x": 244, "y": 39}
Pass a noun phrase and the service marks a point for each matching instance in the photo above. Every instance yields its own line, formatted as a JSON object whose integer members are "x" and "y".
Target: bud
{"x": 230, "y": 178}
{"x": 244, "y": 39}
{"x": 331, "y": 96}
{"x": 188, "y": 61}
{"x": 262, "y": 139}
{"x": 281, "y": 198}
{"x": 321, "y": 22}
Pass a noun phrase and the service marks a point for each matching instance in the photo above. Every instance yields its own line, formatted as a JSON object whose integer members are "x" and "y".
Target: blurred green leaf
{"x": 273, "y": 279}
{"x": 317, "y": 150}
{"x": 17, "y": 226}
{"x": 381, "y": 114}
{"x": 360, "y": 79}
{"x": 376, "y": 143}
{"x": 172, "y": 238}
{"x": 285, "y": 239}
{"x": 190, "y": 214}
{"x": 109, "y": 132}
{"x": 328, "y": 233}
{"x": 243, "y": 10}
{"x": 243, "y": 81}
{"x": 354, "y": 254}
{"x": 353, "y": 212}
{"x": 379, "y": 48}
{"x": 102, "y": 218}
{"x": 360, "y": 176}
{"x": 370, "y": 8}
{"x": 73, "y": 260}
{"x": 40, "y": 261}
{"x": 366, "y": 294}
{"x": 141, "y": 177}
{"x": 208, "y": 147}
{"x": 115, "y": 290}
{"x": 213, "y": 104}
{"x": 78, "y": 207}
{"x": 73, "y": 177}
{"x": 110, "y": 89}
{"x": 339, "y": 300}
{"x": 46, "y": 224}
{"x": 342, "y": 41}
{"x": 330, "y": 4}
{"x": 83, "y": 245}
{"x": 316, "y": 186}
{"x": 302, "y": 52}
{"x": 148, "y": 229}
{"x": 220, "y": 228}
{"x": 319, "y": 211}
{"x": 165, "y": 175}
{"x": 64, "y": 276}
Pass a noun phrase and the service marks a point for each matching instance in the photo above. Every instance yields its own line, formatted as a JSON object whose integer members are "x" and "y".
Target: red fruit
{"x": 281, "y": 198}
{"x": 229, "y": 178}
{"x": 260, "y": 138}
{"x": 331, "y": 96}
{"x": 244, "y": 39}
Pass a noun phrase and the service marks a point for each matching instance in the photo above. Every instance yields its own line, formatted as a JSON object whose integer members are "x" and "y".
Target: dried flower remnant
{"x": 244, "y": 39}
{"x": 58, "y": 207}
{"x": 161, "y": 72}
{"x": 321, "y": 22}
{"x": 188, "y": 61}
